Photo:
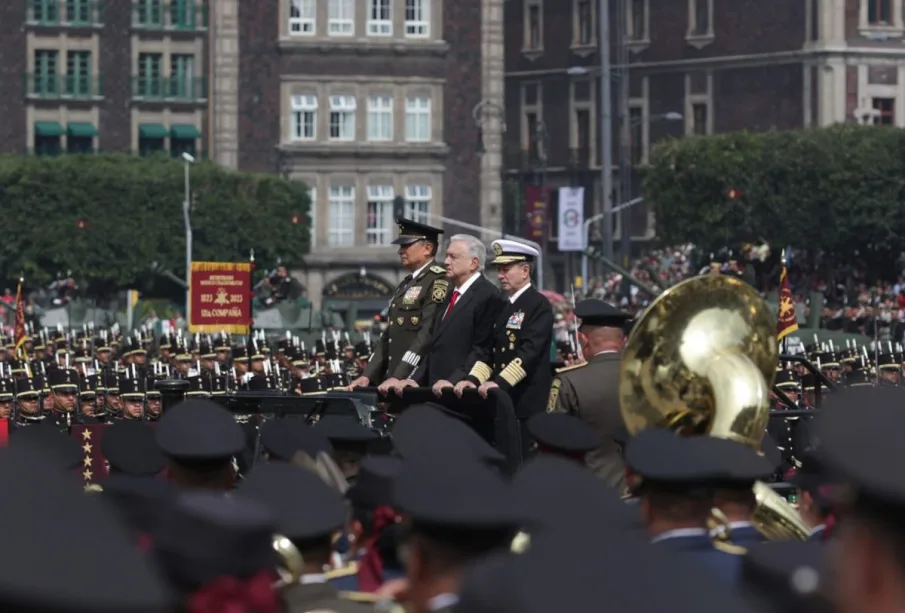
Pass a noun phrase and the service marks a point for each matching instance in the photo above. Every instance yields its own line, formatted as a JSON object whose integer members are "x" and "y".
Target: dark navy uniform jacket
{"x": 696, "y": 545}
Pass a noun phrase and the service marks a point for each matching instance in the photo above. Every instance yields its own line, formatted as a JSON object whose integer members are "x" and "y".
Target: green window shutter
{"x": 152, "y": 131}
{"x": 48, "y": 128}
{"x": 81, "y": 130}
{"x": 184, "y": 131}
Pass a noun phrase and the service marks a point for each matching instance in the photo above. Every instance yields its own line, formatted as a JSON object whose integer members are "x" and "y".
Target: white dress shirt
{"x": 516, "y": 295}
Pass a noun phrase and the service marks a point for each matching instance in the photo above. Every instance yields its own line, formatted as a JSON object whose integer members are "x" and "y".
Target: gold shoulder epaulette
{"x": 559, "y": 371}
{"x": 438, "y": 269}
{"x": 360, "y": 596}
{"x": 345, "y": 571}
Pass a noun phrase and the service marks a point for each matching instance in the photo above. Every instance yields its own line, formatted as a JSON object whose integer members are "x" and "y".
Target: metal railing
{"x": 187, "y": 89}
{"x": 186, "y": 15}
{"x": 65, "y": 13}
{"x": 56, "y": 87}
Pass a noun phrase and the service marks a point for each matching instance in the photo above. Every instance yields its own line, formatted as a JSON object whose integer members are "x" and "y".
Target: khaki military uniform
{"x": 590, "y": 391}
{"x": 410, "y": 320}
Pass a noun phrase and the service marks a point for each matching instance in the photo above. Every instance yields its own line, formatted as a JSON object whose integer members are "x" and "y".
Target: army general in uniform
{"x": 412, "y": 310}
{"x": 590, "y": 391}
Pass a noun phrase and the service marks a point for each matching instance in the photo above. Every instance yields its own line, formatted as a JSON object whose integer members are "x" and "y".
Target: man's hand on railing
{"x": 461, "y": 386}
{"x": 390, "y": 384}
{"x": 441, "y": 385}
{"x": 486, "y": 387}
{"x": 359, "y": 382}
{"x": 404, "y": 383}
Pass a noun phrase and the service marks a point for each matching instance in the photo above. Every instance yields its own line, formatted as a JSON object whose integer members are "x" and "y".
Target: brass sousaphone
{"x": 701, "y": 361}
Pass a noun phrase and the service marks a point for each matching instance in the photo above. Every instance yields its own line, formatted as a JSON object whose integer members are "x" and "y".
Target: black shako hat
{"x": 411, "y": 232}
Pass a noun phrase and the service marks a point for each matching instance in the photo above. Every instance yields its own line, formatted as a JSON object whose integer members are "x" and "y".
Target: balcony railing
{"x": 65, "y": 13}
{"x": 55, "y": 87}
{"x": 186, "y": 15}
{"x": 170, "y": 88}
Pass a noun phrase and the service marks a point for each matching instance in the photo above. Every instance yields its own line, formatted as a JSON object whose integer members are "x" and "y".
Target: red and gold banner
{"x": 786, "y": 322}
{"x": 537, "y": 211}
{"x": 20, "y": 335}
{"x": 220, "y": 297}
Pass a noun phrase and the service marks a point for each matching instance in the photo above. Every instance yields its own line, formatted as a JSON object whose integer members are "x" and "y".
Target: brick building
{"x": 367, "y": 100}
{"x": 707, "y": 66}
{"x": 364, "y": 100}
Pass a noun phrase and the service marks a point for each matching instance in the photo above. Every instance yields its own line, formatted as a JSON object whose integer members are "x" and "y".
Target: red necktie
{"x": 452, "y": 303}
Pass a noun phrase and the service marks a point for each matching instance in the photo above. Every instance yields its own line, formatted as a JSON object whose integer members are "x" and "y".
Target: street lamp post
{"x": 186, "y": 204}
{"x": 606, "y": 127}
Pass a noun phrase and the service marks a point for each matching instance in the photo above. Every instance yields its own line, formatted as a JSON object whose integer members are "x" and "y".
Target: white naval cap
{"x": 507, "y": 252}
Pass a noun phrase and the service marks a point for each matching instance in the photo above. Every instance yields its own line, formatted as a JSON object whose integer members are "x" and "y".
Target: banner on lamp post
{"x": 536, "y": 199}
{"x": 571, "y": 219}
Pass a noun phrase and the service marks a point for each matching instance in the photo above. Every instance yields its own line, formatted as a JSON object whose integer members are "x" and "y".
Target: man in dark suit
{"x": 590, "y": 391}
{"x": 463, "y": 331}
{"x": 519, "y": 360}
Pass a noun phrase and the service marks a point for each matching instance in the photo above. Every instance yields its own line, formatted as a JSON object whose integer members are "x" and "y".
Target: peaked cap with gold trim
{"x": 411, "y": 231}
{"x": 508, "y": 252}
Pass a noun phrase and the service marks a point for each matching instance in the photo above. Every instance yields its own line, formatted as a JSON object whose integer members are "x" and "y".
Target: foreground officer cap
{"x": 424, "y": 430}
{"x": 342, "y": 429}
{"x": 619, "y": 574}
{"x": 508, "y": 252}
{"x": 283, "y": 438}
{"x": 593, "y": 312}
{"x": 562, "y": 433}
{"x": 140, "y": 502}
{"x": 69, "y": 552}
{"x": 204, "y": 536}
{"x": 465, "y": 494}
{"x": 305, "y": 506}
{"x": 664, "y": 457}
{"x": 130, "y": 448}
{"x": 558, "y": 495}
{"x": 61, "y": 449}
{"x": 738, "y": 464}
{"x": 786, "y": 576}
{"x": 859, "y": 430}
{"x": 375, "y": 484}
{"x": 411, "y": 232}
{"x": 199, "y": 429}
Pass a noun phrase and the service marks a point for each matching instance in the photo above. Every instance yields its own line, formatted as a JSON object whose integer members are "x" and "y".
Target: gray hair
{"x": 476, "y": 248}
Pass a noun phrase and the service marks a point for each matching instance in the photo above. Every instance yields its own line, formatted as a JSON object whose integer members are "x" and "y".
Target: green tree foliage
{"x": 839, "y": 189}
{"x": 108, "y": 217}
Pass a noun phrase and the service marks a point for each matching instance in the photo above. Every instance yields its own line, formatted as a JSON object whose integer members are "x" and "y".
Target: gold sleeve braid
{"x": 513, "y": 373}
{"x": 481, "y": 371}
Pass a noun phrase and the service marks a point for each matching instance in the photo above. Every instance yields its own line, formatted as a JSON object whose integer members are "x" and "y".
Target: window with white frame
{"x": 380, "y": 18}
{"x": 417, "y": 18}
{"x": 418, "y": 120}
{"x": 341, "y": 17}
{"x": 341, "y": 208}
{"x": 304, "y": 117}
{"x": 342, "y": 117}
{"x": 312, "y": 216}
{"x": 302, "y": 17}
{"x": 417, "y": 202}
{"x": 380, "y": 226}
{"x": 380, "y": 118}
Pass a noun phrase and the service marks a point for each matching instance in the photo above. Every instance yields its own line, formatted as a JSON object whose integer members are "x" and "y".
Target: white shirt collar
{"x": 441, "y": 601}
{"x": 420, "y": 270}
{"x": 468, "y": 283}
{"x": 313, "y": 578}
{"x": 605, "y": 351}
{"x": 516, "y": 295}
{"x": 669, "y": 534}
{"x": 817, "y": 529}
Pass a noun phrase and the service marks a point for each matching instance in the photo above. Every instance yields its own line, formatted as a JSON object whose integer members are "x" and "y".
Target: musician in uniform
{"x": 519, "y": 358}
{"x": 590, "y": 391}
{"x": 412, "y": 311}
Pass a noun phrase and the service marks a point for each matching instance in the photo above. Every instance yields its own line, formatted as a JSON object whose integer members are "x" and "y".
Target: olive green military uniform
{"x": 590, "y": 391}
{"x": 410, "y": 320}
{"x": 413, "y": 308}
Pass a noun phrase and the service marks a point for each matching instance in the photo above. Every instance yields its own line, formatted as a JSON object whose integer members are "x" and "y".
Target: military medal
{"x": 511, "y": 341}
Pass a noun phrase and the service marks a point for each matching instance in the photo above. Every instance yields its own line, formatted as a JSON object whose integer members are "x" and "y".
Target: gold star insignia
{"x": 86, "y": 434}
{"x": 87, "y": 461}
{"x": 87, "y": 474}
{"x": 87, "y": 447}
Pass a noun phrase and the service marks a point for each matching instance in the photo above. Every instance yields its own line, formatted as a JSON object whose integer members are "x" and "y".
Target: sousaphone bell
{"x": 701, "y": 361}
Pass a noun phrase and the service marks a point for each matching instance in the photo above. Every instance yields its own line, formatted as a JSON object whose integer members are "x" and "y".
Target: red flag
{"x": 786, "y": 322}
{"x": 21, "y": 333}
